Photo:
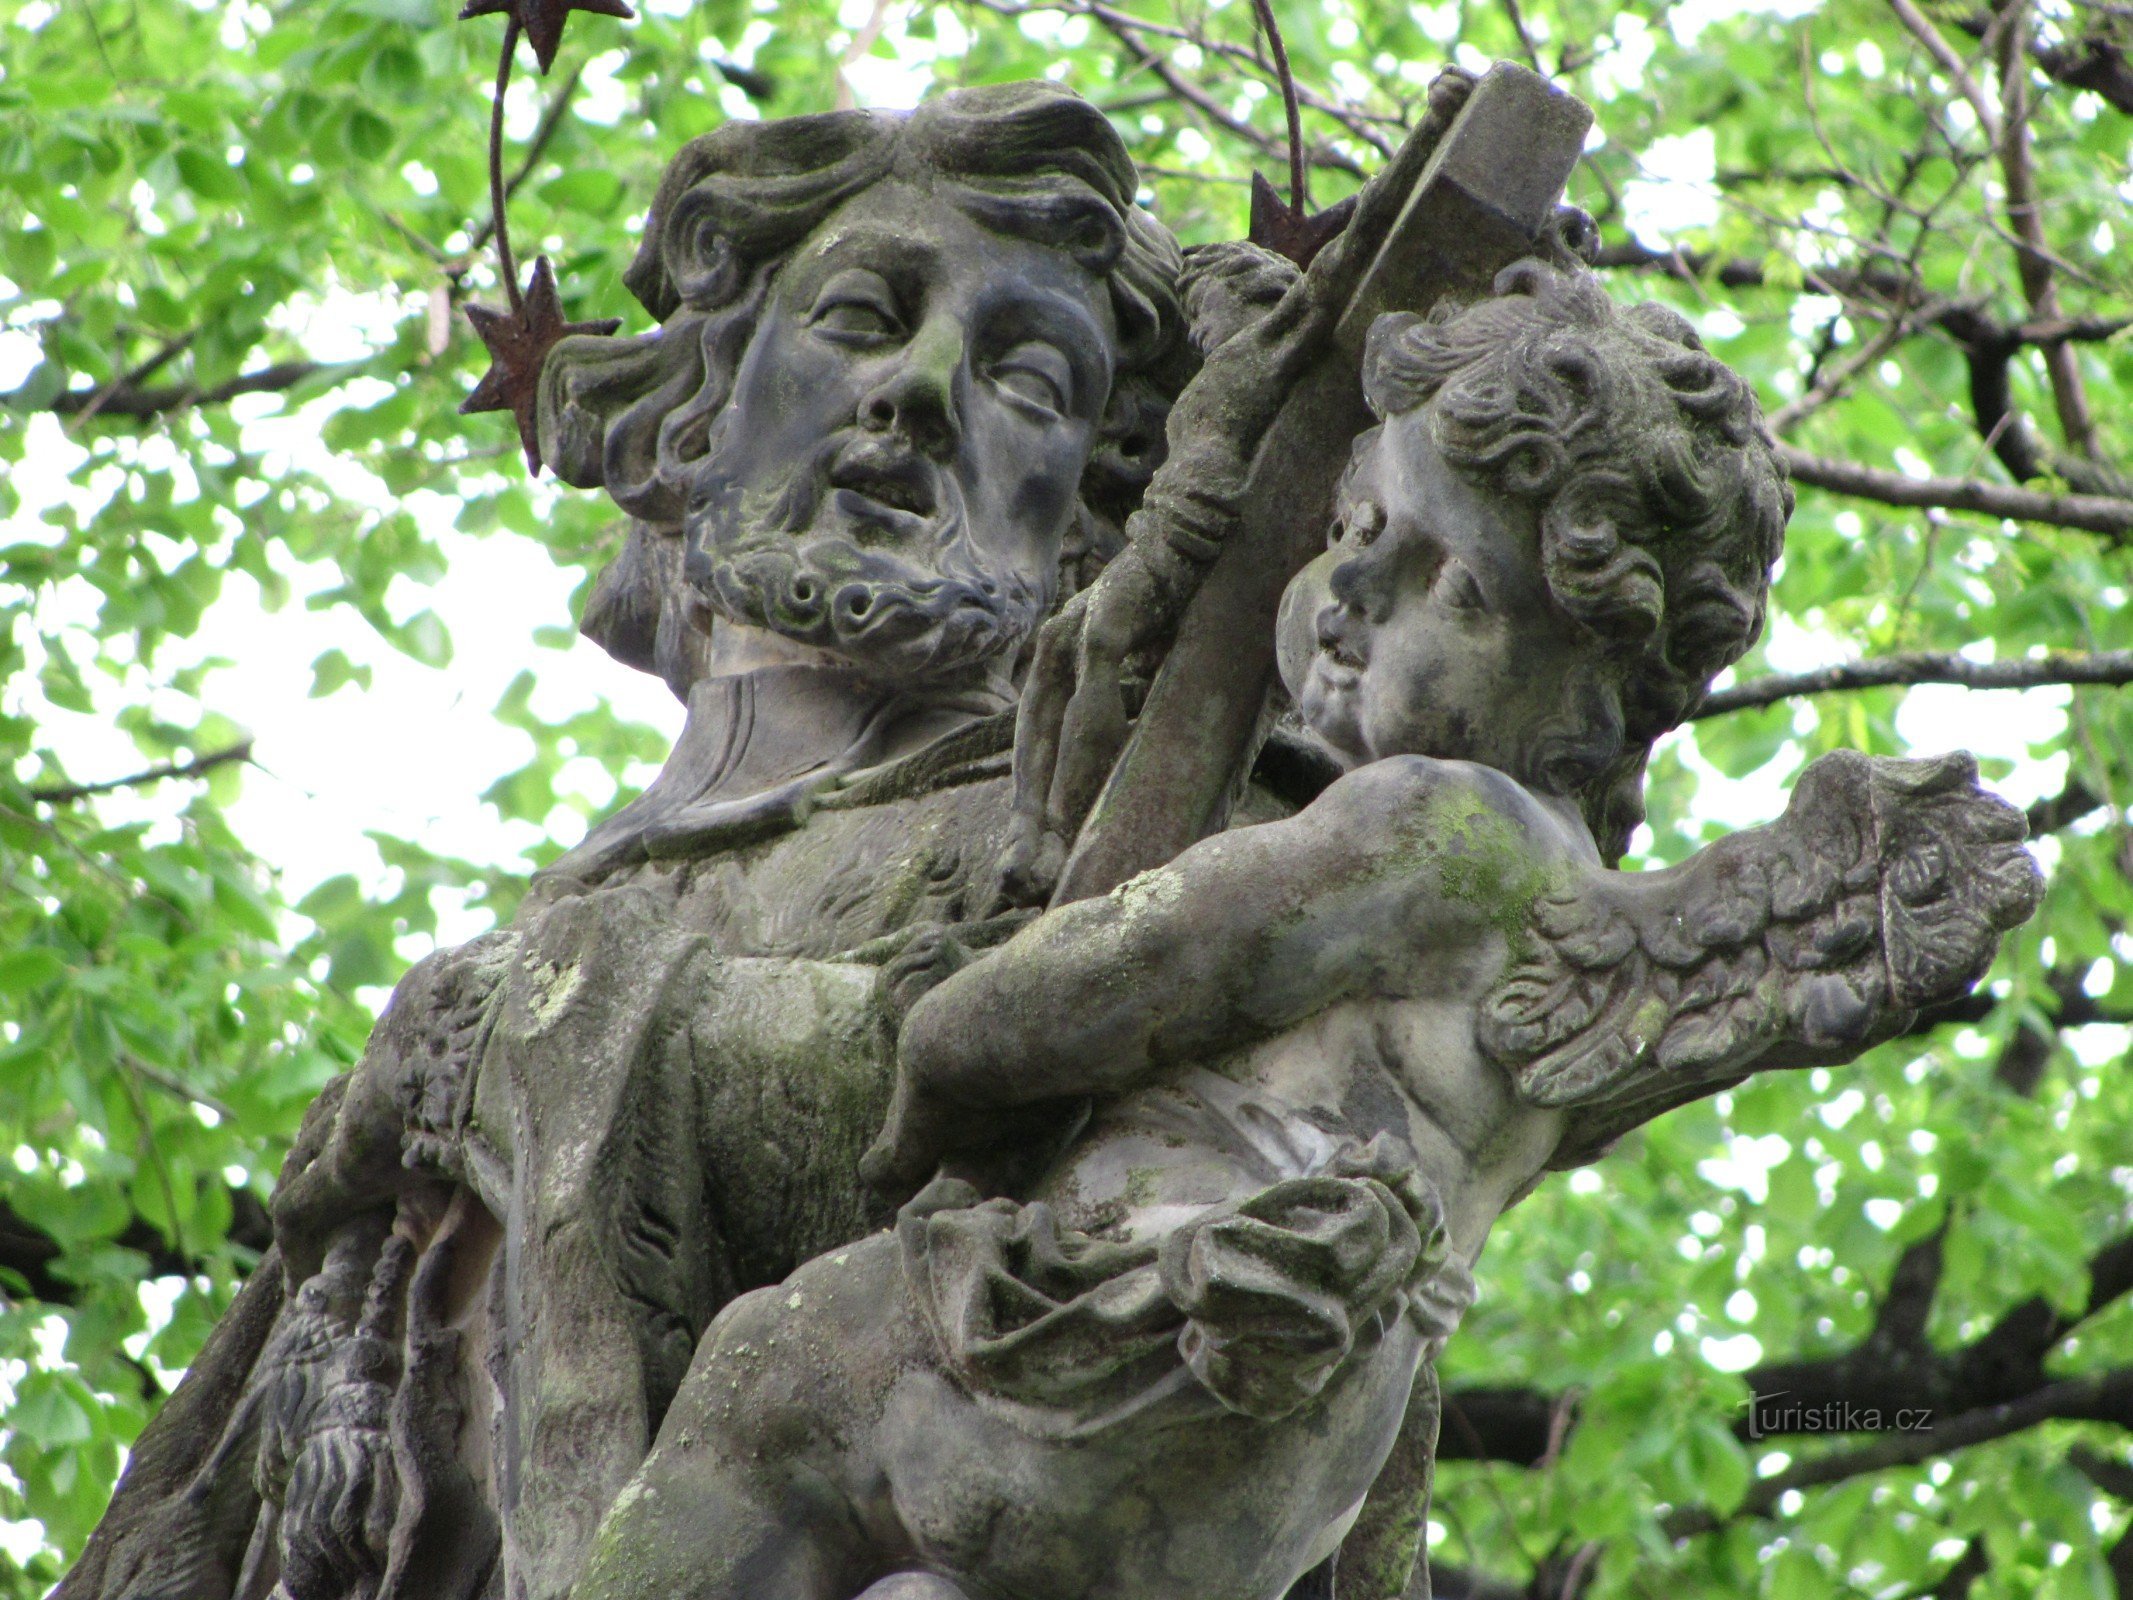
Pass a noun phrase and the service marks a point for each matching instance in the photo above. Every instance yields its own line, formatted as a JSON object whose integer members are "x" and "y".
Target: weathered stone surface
{"x": 577, "y": 1288}
{"x": 1287, "y": 1082}
{"x": 909, "y": 380}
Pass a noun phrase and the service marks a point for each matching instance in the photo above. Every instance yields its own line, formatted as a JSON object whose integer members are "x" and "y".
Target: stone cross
{"x": 1482, "y": 199}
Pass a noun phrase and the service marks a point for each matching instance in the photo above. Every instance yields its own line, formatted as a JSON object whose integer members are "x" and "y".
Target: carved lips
{"x": 1340, "y": 659}
{"x": 885, "y": 482}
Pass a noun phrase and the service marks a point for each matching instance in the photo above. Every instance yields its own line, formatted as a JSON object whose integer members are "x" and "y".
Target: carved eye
{"x": 1035, "y": 374}
{"x": 856, "y": 308}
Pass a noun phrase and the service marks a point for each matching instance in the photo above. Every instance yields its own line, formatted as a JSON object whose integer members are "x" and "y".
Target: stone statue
{"x": 1219, "y": 1147}
{"x": 1292, "y": 1078}
{"x": 908, "y": 382}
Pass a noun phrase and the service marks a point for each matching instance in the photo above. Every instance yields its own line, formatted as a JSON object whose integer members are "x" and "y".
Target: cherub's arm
{"x": 1883, "y": 889}
{"x": 1366, "y": 890}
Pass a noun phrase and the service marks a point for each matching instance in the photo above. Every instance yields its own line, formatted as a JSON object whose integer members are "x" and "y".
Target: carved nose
{"x": 1357, "y": 586}
{"x": 918, "y": 398}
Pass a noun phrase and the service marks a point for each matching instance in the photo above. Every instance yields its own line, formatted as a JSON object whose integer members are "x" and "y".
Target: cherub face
{"x": 1428, "y": 628}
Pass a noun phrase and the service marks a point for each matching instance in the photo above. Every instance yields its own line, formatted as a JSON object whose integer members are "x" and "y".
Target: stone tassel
{"x": 337, "y": 1515}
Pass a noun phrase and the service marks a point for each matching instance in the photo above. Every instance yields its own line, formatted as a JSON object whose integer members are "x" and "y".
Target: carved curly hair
{"x": 1662, "y": 503}
{"x": 1031, "y": 160}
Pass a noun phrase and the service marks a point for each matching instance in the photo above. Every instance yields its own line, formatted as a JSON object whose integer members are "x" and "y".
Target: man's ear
{"x": 639, "y": 610}
{"x": 603, "y": 403}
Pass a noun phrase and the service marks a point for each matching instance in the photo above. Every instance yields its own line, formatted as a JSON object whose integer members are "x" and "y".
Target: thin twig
{"x": 1922, "y": 29}
{"x": 2092, "y": 513}
{"x": 536, "y": 147}
{"x": 1359, "y": 123}
{"x": 1837, "y": 380}
{"x": 165, "y": 353}
{"x": 1525, "y": 39}
{"x": 2097, "y": 667}
{"x": 1127, "y": 31}
{"x": 857, "y": 46}
{"x": 130, "y": 1076}
{"x": 199, "y": 766}
{"x": 179, "y": 1087}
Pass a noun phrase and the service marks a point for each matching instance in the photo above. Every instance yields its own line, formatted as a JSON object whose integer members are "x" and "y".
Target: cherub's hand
{"x": 914, "y": 1136}
{"x": 1073, "y": 720}
{"x": 930, "y": 955}
{"x": 1073, "y": 717}
{"x": 1883, "y": 889}
{"x": 915, "y": 1132}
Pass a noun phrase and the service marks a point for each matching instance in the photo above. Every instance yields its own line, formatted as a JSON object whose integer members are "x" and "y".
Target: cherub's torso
{"x": 1402, "y": 1061}
{"x": 1212, "y": 1135}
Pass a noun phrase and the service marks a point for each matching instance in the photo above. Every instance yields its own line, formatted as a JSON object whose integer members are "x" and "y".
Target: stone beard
{"x": 865, "y": 549}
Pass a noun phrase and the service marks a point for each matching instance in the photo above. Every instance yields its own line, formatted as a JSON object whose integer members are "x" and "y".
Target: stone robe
{"x": 570, "y": 1142}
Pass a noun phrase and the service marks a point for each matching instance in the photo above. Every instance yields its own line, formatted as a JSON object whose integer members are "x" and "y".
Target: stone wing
{"x": 1883, "y": 889}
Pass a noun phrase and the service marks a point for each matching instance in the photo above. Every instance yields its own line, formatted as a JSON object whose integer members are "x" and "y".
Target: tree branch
{"x": 1892, "y": 1369}
{"x": 2094, "y": 64}
{"x": 2091, "y": 62}
{"x": 2033, "y": 260}
{"x": 2102, "y": 666}
{"x": 2092, "y": 513}
{"x": 2064, "y": 809}
{"x": 144, "y": 404}
{"x": 1944, "y": 54}
{"x": 198, "y": 766}
{"x": 1482, "y": 1423}
{"x": 1886, "y": 288}
{"x": 164, "y": 354}
{"x": 1988, "y": 343}
{"x": 2099, "y": 1397}
{"x": 30, "y": 1252}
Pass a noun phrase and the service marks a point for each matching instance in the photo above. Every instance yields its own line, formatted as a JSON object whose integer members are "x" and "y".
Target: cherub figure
{"x": 1326, "y": 1053}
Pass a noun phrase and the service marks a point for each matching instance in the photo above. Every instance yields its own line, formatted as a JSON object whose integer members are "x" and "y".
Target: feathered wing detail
{"x": 1884, "y": 888}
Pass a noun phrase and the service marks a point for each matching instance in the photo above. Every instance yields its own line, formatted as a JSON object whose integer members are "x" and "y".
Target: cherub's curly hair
{"x": 1662, "y": 502}
{"x": 1031, "y": 160}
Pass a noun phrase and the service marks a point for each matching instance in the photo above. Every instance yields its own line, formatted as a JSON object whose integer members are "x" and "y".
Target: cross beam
{"x": 1482, "y": 197}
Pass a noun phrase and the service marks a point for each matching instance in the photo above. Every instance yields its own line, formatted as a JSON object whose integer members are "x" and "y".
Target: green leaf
{"x": 369, "y": 136}
{"x": 22, "y": 971}
{"x": 208, "y": 175}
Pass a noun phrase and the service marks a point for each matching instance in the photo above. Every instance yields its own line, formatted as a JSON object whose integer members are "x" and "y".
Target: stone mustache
{"x": 1211, "y": 1156}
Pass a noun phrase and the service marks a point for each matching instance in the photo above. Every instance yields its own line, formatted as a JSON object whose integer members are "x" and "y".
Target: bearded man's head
{"x": 910, "y": 380}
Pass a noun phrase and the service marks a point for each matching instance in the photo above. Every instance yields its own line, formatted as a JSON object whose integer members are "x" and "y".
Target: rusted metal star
{"x": 1289, "y": 230}
{"x": 519, "y": 341}
{"x": 543, "y": 19}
